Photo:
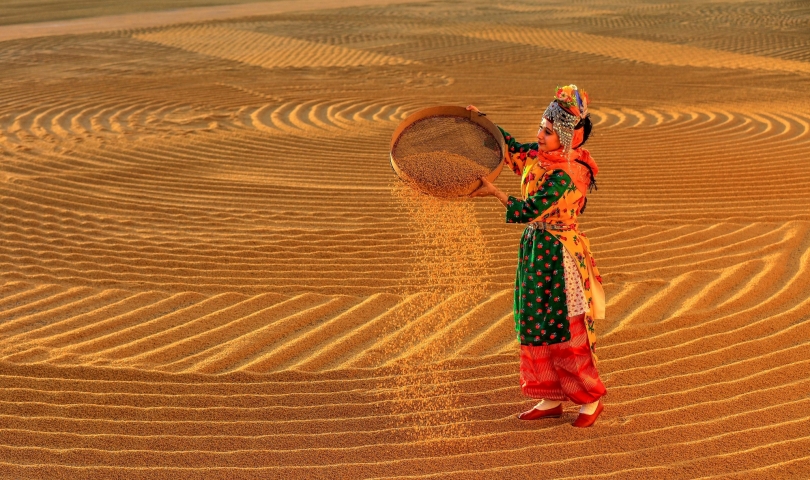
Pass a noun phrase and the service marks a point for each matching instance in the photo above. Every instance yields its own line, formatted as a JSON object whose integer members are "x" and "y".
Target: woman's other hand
{"x": 487, "y": 189}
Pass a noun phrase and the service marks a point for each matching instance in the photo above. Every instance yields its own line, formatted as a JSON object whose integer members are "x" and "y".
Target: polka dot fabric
{"x": 575, "y": 297}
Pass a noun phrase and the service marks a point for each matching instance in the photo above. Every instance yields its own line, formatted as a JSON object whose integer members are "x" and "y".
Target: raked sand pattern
{"x": 263, "y": 49}
{"x": 208, "y": 270}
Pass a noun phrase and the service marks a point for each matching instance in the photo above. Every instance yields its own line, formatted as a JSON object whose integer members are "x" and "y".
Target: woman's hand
{"x": 487, "y": 189}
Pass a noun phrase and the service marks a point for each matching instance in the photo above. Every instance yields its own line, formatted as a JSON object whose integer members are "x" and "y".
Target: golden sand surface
{"x": 208, "y": 269}
{"x": 66, "y": 13}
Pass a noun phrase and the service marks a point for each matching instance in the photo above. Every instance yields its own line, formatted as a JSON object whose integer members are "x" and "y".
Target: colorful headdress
{"x": 569, "y": 106}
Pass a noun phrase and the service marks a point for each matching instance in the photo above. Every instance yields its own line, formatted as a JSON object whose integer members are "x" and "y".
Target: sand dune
{"x": 640, "y": 50}
{"x": 264, "y": 50}
{"x": 209, "y": 270}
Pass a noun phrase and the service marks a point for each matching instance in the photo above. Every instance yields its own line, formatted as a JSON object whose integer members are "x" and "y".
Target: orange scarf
{"x": 575, "y": 168}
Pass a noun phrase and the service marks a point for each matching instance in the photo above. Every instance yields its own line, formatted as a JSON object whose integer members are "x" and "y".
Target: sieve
{"x": 440, "y": 135}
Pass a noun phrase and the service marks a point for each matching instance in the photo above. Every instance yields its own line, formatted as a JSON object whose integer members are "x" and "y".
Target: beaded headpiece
{"x": 565, "y": 111}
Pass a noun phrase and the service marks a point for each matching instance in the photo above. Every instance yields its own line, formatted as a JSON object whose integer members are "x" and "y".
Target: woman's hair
{"x": 588, "y": 126}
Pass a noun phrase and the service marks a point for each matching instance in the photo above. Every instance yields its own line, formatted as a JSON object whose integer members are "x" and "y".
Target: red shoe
{"x": 535, "y": 414}
{"x": 584, "y": 420}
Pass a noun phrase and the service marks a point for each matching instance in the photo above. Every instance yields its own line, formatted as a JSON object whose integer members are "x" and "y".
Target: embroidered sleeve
{"x": 517, "y": 152}
{"x": 556, "y": 183}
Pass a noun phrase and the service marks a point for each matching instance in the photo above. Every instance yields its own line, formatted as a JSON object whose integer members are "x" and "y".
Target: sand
{"x": 205, "y": 271}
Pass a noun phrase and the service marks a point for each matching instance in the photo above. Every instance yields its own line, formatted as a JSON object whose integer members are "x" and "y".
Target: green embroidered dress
{"x": 552, "y": 202}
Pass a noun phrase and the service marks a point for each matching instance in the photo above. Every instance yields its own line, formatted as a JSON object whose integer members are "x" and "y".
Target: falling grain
{"x": 450, "y": 262}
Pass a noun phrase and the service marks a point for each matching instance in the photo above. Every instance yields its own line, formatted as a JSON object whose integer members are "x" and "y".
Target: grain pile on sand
{"x": 441, "y": 174}
{"x": 204, "y": 272}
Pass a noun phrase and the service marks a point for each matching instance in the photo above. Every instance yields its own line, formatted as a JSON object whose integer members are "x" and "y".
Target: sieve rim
{"x": 448, "y": 111}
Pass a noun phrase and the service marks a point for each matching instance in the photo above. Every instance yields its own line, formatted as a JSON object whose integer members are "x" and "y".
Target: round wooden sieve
{"x": 445, "y": 132}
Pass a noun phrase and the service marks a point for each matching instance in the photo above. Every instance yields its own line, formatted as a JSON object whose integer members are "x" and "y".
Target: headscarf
{"x": 569, "y": 107}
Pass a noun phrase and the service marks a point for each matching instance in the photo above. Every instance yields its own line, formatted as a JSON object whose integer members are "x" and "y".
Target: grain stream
{"x": 451, "y": 246}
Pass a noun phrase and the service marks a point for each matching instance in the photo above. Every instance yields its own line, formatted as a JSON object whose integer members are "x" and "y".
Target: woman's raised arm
{"x": 516, "y": 152}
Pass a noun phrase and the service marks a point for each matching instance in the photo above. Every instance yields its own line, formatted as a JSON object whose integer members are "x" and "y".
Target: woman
{"x": 558, "y": 291}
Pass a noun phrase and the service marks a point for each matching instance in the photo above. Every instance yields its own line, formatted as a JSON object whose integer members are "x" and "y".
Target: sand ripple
{"x": 204, "y": 272}
{"x": 640, "y": 50}
{"x": 262, "y": 49}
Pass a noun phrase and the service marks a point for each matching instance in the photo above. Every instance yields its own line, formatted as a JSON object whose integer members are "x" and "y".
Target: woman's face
{"x": 547, "y": 138}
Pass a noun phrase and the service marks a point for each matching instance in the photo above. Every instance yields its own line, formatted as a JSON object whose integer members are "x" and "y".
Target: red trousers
{"x": 562, "y": 371}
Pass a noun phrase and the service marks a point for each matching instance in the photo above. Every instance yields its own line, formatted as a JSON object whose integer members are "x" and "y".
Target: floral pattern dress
{"x": 552, "y": 200}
